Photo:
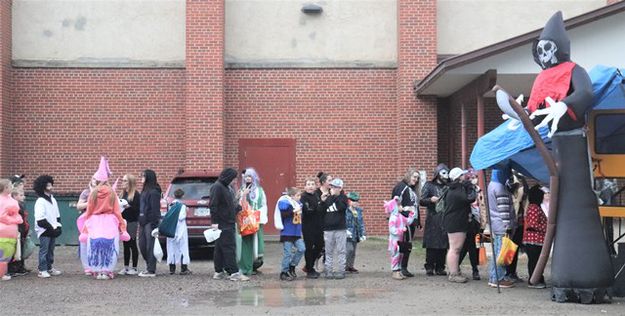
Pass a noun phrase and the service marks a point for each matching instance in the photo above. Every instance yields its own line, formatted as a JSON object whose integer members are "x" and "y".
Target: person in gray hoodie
{"x": 502, "y": 220}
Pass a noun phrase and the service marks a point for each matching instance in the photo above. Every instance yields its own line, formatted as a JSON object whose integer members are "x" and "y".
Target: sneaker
{"x": 219, "y": 275}
{"x": 285, "y": 276}
{"x": 292, "y": 272}
{"x": 441, "y": 272}
{"x": 21, "y": 272}
{"x": 313, "y": 275}
{"x": 502, "y": 284}
{"x": 339, "y": 276}
{"x": 429, "y": 272}
{"x": 351, "y": 270}
{"x": 537, "y": 286}
{"x": 476, "y": 275}
{"x": 515, "y": 278}
{"x": 238, "y": 276}
{"x": 103, "y": 276}
{"x": 328, "y": 275}
{"x": 406, "y": 273}
{"x": 55, "y": 272}
{"x": 147, "y": 274}
{"x": 457, "y": 278}
{"x": 186, "y": 272}
{"x": 6, "y": 277}
{"x": 123, "y": 271}
{"x": 132, "y": 271}
{"x": 43, "y": 274}
{"x": 397, "y": 275}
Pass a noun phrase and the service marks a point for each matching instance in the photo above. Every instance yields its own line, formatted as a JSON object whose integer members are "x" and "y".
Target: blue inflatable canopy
{"x": 515, "y": 148}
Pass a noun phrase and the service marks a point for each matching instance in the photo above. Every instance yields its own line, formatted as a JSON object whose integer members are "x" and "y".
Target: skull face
{"x": 546, "y": 52}
{"x": 444, "y": 174}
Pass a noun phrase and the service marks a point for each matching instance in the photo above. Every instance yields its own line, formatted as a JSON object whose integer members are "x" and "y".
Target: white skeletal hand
{"x": 514, "y": 123}
{"x": 554, "y": 112}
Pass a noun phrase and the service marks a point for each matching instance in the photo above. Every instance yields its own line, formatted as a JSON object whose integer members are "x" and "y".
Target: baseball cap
{"x": 337, "y": 183}
{"x": 354, "y": 196}
{"x": 455, "y": 173}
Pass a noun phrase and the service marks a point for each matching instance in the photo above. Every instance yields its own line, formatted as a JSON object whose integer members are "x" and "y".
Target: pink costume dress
{"x": 102, "y": 230}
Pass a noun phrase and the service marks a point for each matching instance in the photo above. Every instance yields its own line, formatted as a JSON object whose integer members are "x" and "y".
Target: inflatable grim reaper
{"x": 581, "y": 268}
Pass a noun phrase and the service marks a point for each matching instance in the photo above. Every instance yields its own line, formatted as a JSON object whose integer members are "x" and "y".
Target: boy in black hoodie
{"x": 223, "y": 213}
{"x": 335, "y": 229}
{"x": 312, "y": 226}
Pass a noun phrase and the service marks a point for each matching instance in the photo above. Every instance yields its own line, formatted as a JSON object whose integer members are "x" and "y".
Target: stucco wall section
{"x": 464, "y": 26}
{"x": 347, "y": 33}
{"x": 55, "y": 33}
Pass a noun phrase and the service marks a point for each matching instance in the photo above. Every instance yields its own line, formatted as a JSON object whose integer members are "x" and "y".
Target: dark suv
{"x": 196, "y": 187}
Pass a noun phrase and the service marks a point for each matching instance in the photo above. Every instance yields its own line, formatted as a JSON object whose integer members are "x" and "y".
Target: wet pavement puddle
{"x": 276, "y": 296}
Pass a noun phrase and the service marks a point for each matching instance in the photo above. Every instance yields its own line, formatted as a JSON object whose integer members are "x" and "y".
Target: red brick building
{"x": 365, "y": 125}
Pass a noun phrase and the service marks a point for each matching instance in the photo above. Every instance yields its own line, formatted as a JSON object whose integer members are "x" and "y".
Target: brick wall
{"x": 449, "y": 118}
{"x": 340, "y": 119}
{"x": 416, "y": 56}
{"x": 5, "y": 87}
{"x": 204, "y": 110}
{"x": 364, "y": 125}
{"x": 65, "y": 118}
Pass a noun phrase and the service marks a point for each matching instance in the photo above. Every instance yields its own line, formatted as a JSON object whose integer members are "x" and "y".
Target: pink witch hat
{"x": 103, "y": 172}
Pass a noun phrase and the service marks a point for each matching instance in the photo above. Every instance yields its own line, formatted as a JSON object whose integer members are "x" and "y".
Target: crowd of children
{"x": 317, "y": 223}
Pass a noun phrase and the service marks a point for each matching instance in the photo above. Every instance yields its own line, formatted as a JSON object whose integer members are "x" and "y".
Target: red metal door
{"x": 274, "y": 160}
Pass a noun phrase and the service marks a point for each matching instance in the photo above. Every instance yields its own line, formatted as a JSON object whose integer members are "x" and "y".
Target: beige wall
{"x": 350, "y": 33}
{"x": 464, "y": 25}
{"x": 102, "y": 33}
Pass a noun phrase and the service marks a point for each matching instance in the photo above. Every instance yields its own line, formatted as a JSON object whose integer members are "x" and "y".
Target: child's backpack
{"x": 169, "y": 223}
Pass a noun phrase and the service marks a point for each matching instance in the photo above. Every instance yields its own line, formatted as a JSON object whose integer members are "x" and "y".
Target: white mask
{"x": 444, "y": 174}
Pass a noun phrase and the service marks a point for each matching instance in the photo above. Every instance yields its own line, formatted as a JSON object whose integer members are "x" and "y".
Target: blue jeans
{"x": 501, "y": 271}
{"x": 46, "y": 253}
{"x": 288, "y": 257}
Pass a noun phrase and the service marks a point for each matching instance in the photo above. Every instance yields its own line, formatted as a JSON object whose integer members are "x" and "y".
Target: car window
{"x": 194, "y": 189}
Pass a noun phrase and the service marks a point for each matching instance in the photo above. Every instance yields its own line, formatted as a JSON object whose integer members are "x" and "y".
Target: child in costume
{"x": 534, "y": 232}
{"x": 253, "y": 246}
{"x": 397, "y": 225}
{"x": 103, "y": 226}
{"x": 178, "y": 247}
{"x": 17, "y": 267}
{"x": 48, "y": 225}
{"x": 9, "y": 219}
{"x": 288, "y": 216}
{"x": 355, "y": 230}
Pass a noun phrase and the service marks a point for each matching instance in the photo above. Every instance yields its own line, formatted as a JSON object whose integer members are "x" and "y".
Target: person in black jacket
{"x": 224, "y": 208}
{"x": 434, "y": 238}
{"x": 149, "y": 218}
{"x": 131, "y": 203}
{"x": 409, "y": 201}
{"x": 460, "y": 195}
{"x": 312, "y": 227}
{"x": 335, "y": 229}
